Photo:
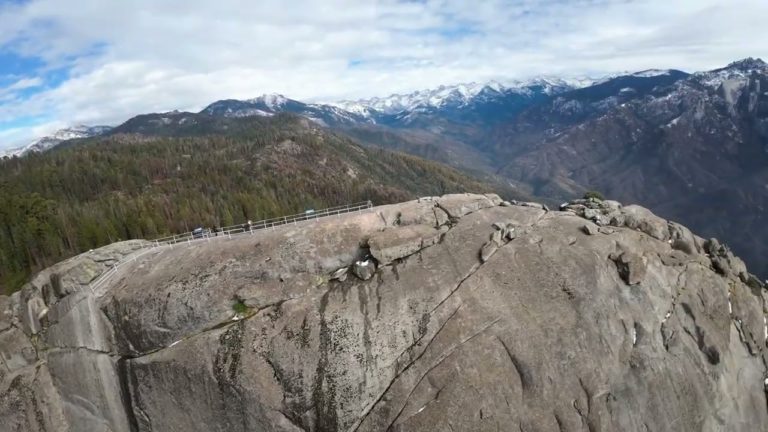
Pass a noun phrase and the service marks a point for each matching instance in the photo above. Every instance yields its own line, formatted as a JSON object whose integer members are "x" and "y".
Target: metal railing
{"x": 132, "y": 257}
{"x": 229, "y": 232}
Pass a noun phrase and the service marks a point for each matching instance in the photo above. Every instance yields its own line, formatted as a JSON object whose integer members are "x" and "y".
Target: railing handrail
{"x": 228, "y": 232}
{"x": 276, "y": 220}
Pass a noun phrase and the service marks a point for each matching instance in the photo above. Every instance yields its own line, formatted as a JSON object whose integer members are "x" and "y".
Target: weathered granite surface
{"x": 481, "y": 315}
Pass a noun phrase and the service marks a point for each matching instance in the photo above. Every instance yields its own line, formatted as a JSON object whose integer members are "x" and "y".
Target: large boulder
{"x": 400, "y": 242}
{"x": 631, "y": 267}
{"x": 642, "y": 219}
{"x": 471, "y": 314}
{"x": 458, "y": 205}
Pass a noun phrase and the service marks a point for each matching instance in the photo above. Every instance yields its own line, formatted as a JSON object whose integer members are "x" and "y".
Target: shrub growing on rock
{"x": 240, "y": 308}
{"x": 593, "y": 195}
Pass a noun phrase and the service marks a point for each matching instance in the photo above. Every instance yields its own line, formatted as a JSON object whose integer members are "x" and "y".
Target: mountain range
{"x": 48, "y": 142}
{"x": 692, "y": 147}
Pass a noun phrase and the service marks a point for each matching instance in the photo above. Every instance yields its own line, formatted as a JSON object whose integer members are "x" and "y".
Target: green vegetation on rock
{"x": 594, "y": 195}
{"x": 240, "y": 308}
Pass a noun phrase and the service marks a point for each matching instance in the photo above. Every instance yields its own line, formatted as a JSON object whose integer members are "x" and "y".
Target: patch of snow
{"x": 580, "y": 82}
{"x": 11, "y": 152}
{"x": 354, "y": 108}
{"x": 317, "y": 120}
{"x": 272, "y": 101}
{"x": 652, "y": 73}
{"x": 248, "y": 112}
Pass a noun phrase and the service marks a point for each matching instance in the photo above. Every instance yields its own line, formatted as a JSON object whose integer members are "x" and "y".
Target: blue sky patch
{"x": 15, "y": 66}
{"x": 355, "y": 63}
{"x": 13, "y": 2}
{"x": 458, "y": 32}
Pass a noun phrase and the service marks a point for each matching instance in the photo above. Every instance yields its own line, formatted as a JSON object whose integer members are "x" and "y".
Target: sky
{"x": 66, "y": 62}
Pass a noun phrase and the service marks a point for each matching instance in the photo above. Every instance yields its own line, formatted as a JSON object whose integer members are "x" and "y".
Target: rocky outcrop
{"x": 58, "y": 359}
{"x": 460, "y": 312}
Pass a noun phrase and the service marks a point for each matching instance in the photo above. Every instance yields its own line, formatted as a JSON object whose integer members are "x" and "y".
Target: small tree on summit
{"x": 593, "y": 195}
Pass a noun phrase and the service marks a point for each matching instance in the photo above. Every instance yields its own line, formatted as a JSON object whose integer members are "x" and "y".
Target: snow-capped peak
{"x": 271, "y": 100}
{"x": 550, "y": 85}
{"x": 748, "y": 64}
{"x": 448, "y": 95}
{"x": 78, "y": 131}
{"x": 48, "y": 142}
{"x": 738, "y": 71}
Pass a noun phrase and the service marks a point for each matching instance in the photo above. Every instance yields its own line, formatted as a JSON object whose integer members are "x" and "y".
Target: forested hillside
{"x": 92, "y": 192}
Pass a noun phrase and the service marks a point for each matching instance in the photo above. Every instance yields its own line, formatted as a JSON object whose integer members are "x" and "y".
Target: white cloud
{"x": 21, "y": 135}
{"x": 8, "y": 94}
{"x": 25, "y": 83}
{"x": 145, "y": 55}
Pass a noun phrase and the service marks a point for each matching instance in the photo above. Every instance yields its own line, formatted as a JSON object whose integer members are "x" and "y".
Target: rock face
{"x": 478, "y": 315}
